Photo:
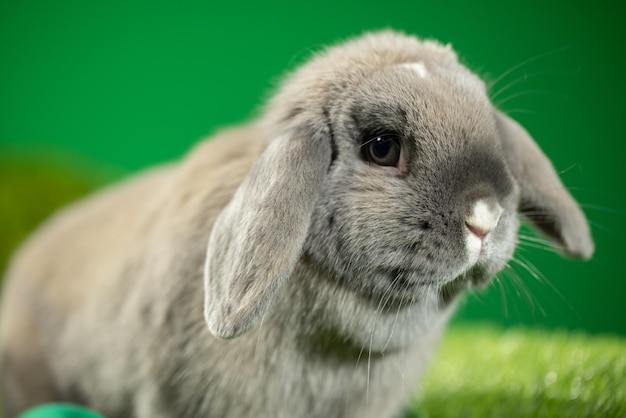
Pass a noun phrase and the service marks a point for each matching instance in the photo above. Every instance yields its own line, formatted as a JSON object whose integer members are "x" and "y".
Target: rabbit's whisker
{"x": 527, "y": 76}
{"x": 541, "y": 278}
{"x": 512, "y": 96}
{"x": 385, "y": 298}
{"x": 519, "y": 65}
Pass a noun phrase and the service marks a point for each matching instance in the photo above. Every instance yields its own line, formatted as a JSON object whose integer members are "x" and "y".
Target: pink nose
{"x": 480, "y": 231}
{"x": 483, "y": 218}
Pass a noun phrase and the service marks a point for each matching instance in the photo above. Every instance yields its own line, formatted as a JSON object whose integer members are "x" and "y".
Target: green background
{"x": 116, "y": 86}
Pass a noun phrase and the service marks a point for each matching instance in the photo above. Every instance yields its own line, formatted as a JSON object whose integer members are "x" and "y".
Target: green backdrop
{"x": 126, "y": 84}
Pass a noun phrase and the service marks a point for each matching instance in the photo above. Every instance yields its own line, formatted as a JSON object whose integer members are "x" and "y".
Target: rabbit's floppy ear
{"x": 544, "y": 199}
{"x": 258, "y": 237}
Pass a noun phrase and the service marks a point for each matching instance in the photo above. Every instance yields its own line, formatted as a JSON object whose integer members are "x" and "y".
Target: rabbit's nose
{"x": 483, "y": 218}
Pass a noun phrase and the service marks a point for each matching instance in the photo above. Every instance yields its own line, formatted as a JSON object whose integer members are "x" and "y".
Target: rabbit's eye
{"x": 383, "y": 150}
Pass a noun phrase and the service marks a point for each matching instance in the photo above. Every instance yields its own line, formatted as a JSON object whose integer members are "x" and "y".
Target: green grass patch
{"x": 484, "y": 372}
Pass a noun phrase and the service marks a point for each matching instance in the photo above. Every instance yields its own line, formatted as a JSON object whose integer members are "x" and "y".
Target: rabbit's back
{"x": 61, "y": 271}
{"x": 79, "y": 269}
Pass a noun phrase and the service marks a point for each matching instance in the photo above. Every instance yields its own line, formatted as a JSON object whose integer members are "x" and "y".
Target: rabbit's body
{"x": 332, "y": 265}
{"x": 176, "y": 365}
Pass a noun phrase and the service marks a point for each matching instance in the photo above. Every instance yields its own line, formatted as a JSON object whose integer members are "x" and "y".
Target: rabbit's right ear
{"x": 544, "y": 199}
{"x": 258, "y": 237}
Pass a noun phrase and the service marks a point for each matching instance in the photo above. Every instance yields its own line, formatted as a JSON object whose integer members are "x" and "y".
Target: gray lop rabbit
{"x": 302, "y": 265}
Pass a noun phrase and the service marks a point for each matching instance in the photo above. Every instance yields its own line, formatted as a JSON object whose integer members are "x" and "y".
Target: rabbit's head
{"x": 391, "y": 171}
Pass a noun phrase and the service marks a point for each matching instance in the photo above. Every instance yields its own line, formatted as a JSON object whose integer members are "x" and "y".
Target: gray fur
{"x": 326, "y": 280}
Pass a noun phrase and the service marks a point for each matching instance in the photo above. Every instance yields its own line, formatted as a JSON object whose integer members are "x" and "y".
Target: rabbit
{"x": 304, "y": 264}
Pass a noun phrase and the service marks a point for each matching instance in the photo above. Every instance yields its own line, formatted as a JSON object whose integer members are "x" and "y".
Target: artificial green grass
{"x": 484, "y": 372}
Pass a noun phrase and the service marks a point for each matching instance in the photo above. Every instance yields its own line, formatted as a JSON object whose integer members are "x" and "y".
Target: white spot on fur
{"x": 418, "y": 67}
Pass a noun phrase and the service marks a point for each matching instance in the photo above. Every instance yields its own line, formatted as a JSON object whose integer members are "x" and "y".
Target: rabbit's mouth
{"x": 405, "y": 283}
{"x": 477, "y": 276}
{"x": 452, "y": 289}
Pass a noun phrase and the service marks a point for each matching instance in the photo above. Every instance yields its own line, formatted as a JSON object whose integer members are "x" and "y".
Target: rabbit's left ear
{"x": 258, "y": 237}
{"x": 544, "y": 200}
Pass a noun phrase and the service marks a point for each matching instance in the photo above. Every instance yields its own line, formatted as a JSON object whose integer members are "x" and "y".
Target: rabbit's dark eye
{"x": 383, "y": 150}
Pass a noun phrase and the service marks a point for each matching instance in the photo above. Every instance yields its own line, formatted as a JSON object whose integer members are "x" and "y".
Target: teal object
{"x": 60, "y": 410}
